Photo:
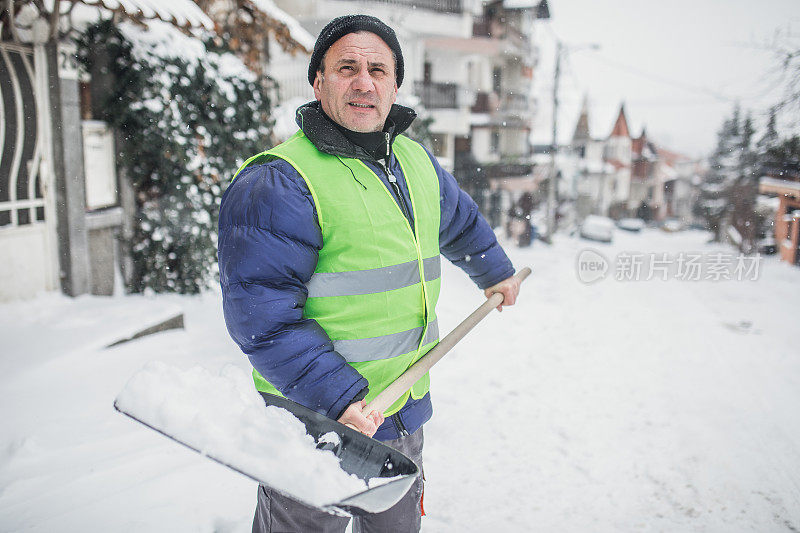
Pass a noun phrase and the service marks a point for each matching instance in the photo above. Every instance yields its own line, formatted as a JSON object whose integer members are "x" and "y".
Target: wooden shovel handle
{"x": 407, "y": 379}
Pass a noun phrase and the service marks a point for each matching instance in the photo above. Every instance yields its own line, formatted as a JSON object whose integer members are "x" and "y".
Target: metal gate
{"x": 27, "y": 261}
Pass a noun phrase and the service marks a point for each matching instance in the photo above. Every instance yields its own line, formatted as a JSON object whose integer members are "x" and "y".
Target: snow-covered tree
{"x": 785, "y": 152}
{"x": 770, "y": 137}
{"x": 185, "y": 117}
{"x": 786, "y": 48}
{"x": 713, "y": 201}
{"x": 727, "y": 199}
{"x": 744, "y": 190}
{"x": 248, "y": 27}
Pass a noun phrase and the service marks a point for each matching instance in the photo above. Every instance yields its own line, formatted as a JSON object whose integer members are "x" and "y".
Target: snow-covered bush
{"x": 186, "y": 116}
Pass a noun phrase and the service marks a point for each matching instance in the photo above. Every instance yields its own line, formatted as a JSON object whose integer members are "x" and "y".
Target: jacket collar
{"x": 326, "y": 137}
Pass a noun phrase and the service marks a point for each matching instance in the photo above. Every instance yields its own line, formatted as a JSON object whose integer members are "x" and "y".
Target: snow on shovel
{"x": 279, "y": 443}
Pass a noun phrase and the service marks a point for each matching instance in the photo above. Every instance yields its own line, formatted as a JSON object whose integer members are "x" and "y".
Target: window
{"x": 497, "y": 84}
{"x": 495, "y": 141}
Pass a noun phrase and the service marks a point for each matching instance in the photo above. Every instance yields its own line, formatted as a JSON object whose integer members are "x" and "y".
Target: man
{"x": 329, "y": 259}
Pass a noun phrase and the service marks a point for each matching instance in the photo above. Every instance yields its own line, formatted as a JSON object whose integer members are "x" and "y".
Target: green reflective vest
{"x": 376, "y": 283}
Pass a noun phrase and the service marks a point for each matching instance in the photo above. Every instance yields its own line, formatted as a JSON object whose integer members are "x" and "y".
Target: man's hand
{"x": 509, "y": 288}
{"x": 367, "y": 425}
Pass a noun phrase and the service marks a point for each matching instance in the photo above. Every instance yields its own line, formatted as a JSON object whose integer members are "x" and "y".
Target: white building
{"x": 587, "y": 177}
{"x": 469, "y": 65}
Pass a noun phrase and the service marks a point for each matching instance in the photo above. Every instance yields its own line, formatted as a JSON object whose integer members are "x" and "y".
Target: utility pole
{"x": 551, "y": 189}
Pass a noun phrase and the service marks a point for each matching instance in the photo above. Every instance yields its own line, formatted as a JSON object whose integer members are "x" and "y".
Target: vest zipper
{"x": 396, "y": 191}
{"x": 401, "y": 202}
{"x": 401, "y": 428}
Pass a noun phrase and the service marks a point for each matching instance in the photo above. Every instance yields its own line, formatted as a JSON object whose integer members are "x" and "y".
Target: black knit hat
{"x": 341, "y": 26}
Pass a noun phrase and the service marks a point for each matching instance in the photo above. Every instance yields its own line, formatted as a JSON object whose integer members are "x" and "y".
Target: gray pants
{"x": 278, "y": 514}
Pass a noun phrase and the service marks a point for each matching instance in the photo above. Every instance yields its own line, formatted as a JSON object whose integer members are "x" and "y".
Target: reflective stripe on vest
{"x": 386, "y": 346}
{"x": 377, "y": 279}
{"x": 355, "y": 282}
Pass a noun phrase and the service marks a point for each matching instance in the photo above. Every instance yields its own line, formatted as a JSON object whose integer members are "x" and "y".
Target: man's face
{"x": 358, "y": 87}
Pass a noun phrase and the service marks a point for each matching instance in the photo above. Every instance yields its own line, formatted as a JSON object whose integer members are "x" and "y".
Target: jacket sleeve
{"x": 465, "y": 237}
{"x": 269, "y": 241}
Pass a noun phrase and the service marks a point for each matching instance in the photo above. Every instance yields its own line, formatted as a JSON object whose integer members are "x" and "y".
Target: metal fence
{"x": 21, "y": 199}
{"x": 437, "y": 95}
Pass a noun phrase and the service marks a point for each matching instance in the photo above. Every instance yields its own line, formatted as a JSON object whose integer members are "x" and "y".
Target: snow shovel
{"x": 360, "y": 455}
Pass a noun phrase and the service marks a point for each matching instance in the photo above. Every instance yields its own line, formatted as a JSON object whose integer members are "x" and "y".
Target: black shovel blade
{"x": 360, "y": 455}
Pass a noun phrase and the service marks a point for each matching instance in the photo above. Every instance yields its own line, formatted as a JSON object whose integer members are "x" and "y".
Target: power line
{"x": 661, "y": 79}
{"x": 647, "y": 75}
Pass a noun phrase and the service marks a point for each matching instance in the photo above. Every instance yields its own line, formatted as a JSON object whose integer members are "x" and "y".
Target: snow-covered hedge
{"x": 187, "y": 114}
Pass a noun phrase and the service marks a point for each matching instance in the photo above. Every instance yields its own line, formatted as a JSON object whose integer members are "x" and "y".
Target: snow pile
{"x": 627, "y": 406}
{"x": 223, "y": 417}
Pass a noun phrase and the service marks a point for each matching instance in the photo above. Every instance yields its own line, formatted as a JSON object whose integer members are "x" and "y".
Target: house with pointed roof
{"x": 662, "y": 181}
{"x": 589, "y": 176}
{"x": 645, "y": 195}
{"x": 581, "y": 135}
{"x": 677, "y": 178}
{"x": 620, "y": 175}
{"x": 618, "y": 154}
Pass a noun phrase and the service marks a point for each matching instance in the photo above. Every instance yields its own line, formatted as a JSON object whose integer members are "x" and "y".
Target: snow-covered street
{"x": 611, "y": 406}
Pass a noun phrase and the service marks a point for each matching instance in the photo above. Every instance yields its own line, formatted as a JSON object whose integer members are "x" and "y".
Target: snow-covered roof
{"x": 296, "y": 31}
{"x": 183, "y": 13}
{"x": 771, "y": 202}
{"x": 778, "y": 186}
{"x": 668, "y": 171}
{"x": 648, "y": 153}
{"x": 520, "y": 4}
{"x": 163, "y": 40}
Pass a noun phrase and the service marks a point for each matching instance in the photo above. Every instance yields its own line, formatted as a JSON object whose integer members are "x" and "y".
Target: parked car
{"x": 631, "y": 224}
{"x": 597, "y": 228}
{"x": 672, "y": 225}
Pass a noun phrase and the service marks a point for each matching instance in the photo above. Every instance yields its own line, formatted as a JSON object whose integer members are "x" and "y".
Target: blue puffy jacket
{"x": 269, "y": 241}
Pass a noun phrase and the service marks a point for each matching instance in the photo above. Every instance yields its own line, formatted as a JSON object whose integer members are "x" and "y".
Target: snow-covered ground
{"x": 611, "y": 406}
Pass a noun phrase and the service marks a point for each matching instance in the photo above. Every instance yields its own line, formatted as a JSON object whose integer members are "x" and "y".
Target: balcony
{"x": 508, "y": 103}
{"x": 504, "y": 31}
{"x": 440, "y": 6}
{"x": 514, "y": 103}
{"x": 437, "y": 95}
{"x": 508, "y": 170}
